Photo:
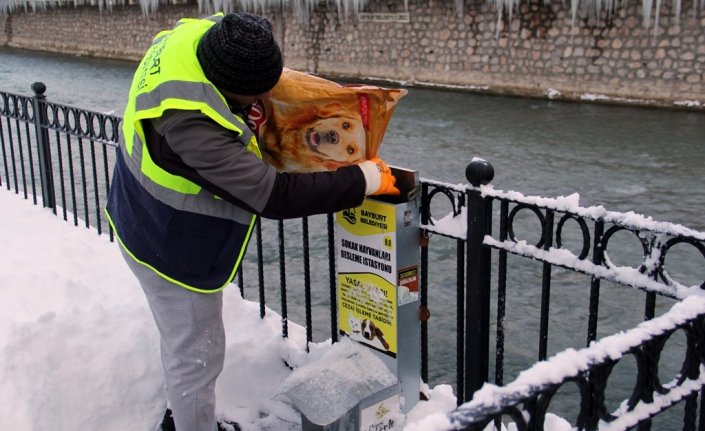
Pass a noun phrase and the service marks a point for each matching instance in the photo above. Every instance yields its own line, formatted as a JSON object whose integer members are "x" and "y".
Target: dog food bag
{"x": 313, "y": 124}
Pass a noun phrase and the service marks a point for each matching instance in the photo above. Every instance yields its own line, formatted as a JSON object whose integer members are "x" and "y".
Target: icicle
{"x": 677, "y": 10}
{"x": 149, "y": 6}
{"x": 573, "y": 10}
{"x": 303, "y": 9}
{"x": 201, "y": 6}
{"x": 500, "y": 9}
{"x": 608, "y": 8}
{"x": 223, "y": 6}
{"x": 459, "y": 7}
{"x": 646, "y": 12}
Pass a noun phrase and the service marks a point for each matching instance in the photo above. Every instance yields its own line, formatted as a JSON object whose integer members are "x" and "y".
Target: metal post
{"x": 423, "y": 288}
{"x": 45, "y": 169}
{"x": 478, "y": 269}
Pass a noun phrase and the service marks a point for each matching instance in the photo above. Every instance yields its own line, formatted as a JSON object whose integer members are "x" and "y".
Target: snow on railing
{"x": 570, "y": 363}
{"x": 454, "y": 224}
{"x": 623, "y": 275}
{"x": 643, "y": 411}
{"x": 571, "y": 204}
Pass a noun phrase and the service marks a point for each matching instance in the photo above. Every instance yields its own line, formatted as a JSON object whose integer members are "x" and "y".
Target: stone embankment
{"x": 539, "y": 52}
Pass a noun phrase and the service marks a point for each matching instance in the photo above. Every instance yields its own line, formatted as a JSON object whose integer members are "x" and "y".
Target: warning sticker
{"x": 367, "y": 311}
{"x": 408, "y": 285}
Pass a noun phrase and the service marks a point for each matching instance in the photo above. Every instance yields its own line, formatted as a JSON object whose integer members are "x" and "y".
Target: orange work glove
{"x": 379, "y": 178}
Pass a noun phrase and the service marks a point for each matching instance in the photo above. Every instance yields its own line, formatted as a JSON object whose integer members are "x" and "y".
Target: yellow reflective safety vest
{"x": 166, "y": 222}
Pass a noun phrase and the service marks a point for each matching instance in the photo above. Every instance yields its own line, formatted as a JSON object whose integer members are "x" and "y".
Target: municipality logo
{"x": 350, "y": 216}
{"x": 381, "y": 412}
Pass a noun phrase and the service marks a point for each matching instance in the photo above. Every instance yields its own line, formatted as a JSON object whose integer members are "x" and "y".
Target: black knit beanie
{"x": 239, "y": 54}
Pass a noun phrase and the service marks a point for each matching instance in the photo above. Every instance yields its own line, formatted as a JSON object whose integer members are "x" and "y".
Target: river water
{"x": 645, "y": 160}
{"x": 626, "y": 158}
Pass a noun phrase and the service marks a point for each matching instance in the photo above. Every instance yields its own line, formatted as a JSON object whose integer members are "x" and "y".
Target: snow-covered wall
{"x": 540, "y": 51}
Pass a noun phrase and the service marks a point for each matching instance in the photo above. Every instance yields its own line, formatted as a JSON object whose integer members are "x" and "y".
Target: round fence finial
{"x": 479, "y": 172}
{"x": 39, "y": 88}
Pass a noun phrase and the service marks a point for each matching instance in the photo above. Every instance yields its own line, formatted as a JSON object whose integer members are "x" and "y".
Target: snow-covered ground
{"x": 79, "y": 349}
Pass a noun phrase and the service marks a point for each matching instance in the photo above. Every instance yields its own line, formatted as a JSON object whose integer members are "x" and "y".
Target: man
{"x": 189, "y": 183}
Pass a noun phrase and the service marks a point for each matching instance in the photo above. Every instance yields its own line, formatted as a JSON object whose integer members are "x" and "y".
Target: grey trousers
{"x": 192, "y": 346}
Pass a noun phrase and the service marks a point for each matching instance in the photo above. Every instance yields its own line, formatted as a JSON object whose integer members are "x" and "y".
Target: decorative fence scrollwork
{"x": 94, "y": 126}
{"x": 71, "y": 150}
{"x": 594, "y": 230}
{"x": 527, "y": 400}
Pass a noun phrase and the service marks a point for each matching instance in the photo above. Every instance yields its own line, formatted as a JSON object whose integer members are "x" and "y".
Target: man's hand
{"x": 379, "y": 178}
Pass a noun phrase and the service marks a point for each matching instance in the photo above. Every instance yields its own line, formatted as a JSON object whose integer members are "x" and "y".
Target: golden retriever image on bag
{"x": 312, "y": 124}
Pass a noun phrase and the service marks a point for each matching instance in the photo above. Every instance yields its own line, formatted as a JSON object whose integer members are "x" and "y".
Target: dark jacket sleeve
{"x": 297, "y": 195}
{"x": 188, "y": 144}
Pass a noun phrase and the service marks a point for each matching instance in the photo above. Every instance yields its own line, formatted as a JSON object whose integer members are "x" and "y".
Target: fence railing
{"x": 581, "y": 241}
{"x": 589, "y": 369}
{"x": 64, "y": 150}
{"x": 559, "y": 295}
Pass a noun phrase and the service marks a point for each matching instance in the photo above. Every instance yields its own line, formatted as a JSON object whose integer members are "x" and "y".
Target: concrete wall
{"x": 538, "y": 53}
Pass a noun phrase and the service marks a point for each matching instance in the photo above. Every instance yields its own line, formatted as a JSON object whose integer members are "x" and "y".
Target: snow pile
{"x": 79, "y": 349}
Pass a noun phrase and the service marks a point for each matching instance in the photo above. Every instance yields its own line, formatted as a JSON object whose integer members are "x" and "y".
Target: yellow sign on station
{"x": 367, "y": 275}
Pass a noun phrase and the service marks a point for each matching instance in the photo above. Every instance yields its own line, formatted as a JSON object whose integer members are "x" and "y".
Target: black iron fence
{"x": 58, "y": 153}
{"x": 564, "y": 238}
{"x": 543, "y": 299}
